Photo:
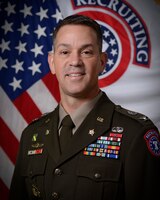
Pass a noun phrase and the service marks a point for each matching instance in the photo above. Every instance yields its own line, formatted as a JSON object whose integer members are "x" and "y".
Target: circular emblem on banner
{"x": 116, "y": 44}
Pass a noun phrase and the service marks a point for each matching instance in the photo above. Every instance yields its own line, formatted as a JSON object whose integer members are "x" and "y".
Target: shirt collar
{"x": 80, "y": 114}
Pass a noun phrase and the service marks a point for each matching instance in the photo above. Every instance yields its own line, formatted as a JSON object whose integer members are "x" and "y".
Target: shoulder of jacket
{"x": 44, "y": 118}
{"x": 139, "y": 117}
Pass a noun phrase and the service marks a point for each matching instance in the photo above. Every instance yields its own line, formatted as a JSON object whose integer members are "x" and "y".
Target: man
{"x": 112, "y": 154}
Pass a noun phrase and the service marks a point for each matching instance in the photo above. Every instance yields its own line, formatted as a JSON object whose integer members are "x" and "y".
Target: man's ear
{"x": 104, "y": 58}
{"x": 50, "y": 62}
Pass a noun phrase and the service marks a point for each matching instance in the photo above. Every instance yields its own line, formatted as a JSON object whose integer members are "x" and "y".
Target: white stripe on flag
{"x": 6, "y": 168}
{"x": 42, "y": 97}
{"x": 11, "y": 115}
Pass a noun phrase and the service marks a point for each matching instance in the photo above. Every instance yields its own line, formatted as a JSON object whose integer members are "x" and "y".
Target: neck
{"x": 70, "y": 103}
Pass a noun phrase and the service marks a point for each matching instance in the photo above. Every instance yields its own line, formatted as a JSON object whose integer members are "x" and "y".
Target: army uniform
{"x": 114, "y": 155}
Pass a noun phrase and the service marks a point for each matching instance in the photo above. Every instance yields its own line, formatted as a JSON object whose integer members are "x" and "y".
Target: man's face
{"x": 76, "y": 61}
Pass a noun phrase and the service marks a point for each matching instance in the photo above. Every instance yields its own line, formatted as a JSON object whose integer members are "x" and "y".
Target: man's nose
{"x": 75, "y": 59}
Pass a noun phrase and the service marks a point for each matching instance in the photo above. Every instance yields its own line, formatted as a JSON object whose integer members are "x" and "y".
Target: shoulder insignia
{"x": 43, "y": 116}
{"x": 152, "y": 139}
{"x": 135, "y": 115}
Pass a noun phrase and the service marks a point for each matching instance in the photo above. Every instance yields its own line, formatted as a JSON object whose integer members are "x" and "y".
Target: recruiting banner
{"x": 131, "y": 38}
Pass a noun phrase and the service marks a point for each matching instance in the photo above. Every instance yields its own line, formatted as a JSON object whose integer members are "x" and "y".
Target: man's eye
{"x": 87, "y": 53}
{"x": 64, "y": 52}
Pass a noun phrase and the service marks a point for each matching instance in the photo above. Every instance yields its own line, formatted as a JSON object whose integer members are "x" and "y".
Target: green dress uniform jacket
{"x": 114, "y": 155}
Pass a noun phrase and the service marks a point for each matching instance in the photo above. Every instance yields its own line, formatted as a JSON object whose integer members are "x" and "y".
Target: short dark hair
{"x": 81, "y": 20}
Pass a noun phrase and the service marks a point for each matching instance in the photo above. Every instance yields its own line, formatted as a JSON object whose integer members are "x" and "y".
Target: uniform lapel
{"x": 96, "y": 123}
{"x": 51, "y": 137}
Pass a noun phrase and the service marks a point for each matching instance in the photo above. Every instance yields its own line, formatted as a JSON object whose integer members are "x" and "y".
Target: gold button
{"x": 58, "y": 172}
{"x": 55, "y": 195}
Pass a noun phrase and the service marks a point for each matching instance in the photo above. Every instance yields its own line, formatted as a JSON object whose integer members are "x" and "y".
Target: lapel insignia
{"x": 100, "y": 119}
{"x": 117, "y": 129}
{"x": 35, "y": 152}
{"x": 91, "y": 132}
{"x": 105, "y": 146}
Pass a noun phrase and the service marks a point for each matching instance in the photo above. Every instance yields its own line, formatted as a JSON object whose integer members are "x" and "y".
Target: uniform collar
{"x": 80, "y": 114}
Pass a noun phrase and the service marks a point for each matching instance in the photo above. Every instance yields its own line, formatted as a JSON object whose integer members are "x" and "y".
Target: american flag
{"x": 27, "y": 87}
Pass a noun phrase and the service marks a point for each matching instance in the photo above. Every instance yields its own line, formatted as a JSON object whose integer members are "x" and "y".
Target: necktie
{"x": 66, "y": 132}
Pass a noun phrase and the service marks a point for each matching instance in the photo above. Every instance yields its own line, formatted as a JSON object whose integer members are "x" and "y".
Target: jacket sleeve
{"x": 142, "y": 166}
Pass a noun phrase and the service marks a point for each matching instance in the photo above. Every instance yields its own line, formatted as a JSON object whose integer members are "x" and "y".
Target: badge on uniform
{"x": 34, "y": 137}
{"x": 35, "y": 152}
{"x": 105, "y": 146}
{"x": 152, "y": 139}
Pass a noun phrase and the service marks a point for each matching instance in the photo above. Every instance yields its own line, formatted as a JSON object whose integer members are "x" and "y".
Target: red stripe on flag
{"x": 4, "y": 191}
{"x": 27, "y": 107}
{"x": 51, "y": 83}
{"x": 8, "y": 141}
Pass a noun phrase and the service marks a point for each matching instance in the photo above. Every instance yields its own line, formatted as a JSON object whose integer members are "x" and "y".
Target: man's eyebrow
{"x": 87, "y": 45}
{"x": 68, "y": 45}
{"x": 62, "y": 45}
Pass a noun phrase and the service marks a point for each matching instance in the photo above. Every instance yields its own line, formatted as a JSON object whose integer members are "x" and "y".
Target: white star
{"x": 10, "y": 9}
{"x": 18, "y": 66}
{"x": 106, "y": 34}
{"x": 105, "y": 46}
{"x": 112, "y": 42}
{"x": 114, "y": 52}
{"x": 21, "y": 47}
{"x": 40, "y": 31}
{"x": 42, "y": 13}
{"x": 16, "y": 84}
{"x": 3, "y": 63}
{"x": 37, "y": 50}
{"x": 35, "y": 68}
{"x": 23, "y": 29}
{"x": 26, "y": 11}
{"x": 4, "y": 45}
{"x": 110, "y": 62}
{"x": 58, "y": 15}
{"x": 7, "y": 27}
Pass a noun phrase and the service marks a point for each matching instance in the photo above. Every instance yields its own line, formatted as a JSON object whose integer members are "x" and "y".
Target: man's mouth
{"x": 75, "y": 75}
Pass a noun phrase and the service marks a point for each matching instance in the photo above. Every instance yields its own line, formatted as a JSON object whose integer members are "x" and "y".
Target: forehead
{"x": 75, "y": 31}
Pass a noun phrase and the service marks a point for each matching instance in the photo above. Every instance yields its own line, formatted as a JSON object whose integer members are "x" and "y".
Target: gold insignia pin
{"x": 91, "y": 132}
{"x": 100, "y": 119}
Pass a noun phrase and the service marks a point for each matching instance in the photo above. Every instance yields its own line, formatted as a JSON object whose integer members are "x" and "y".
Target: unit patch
{"x": 152, "y": 138}
{"x": 107, "y": 147}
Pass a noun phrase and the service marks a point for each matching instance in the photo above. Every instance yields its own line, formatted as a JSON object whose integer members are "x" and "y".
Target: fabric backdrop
{"x": 131, "y": 38}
